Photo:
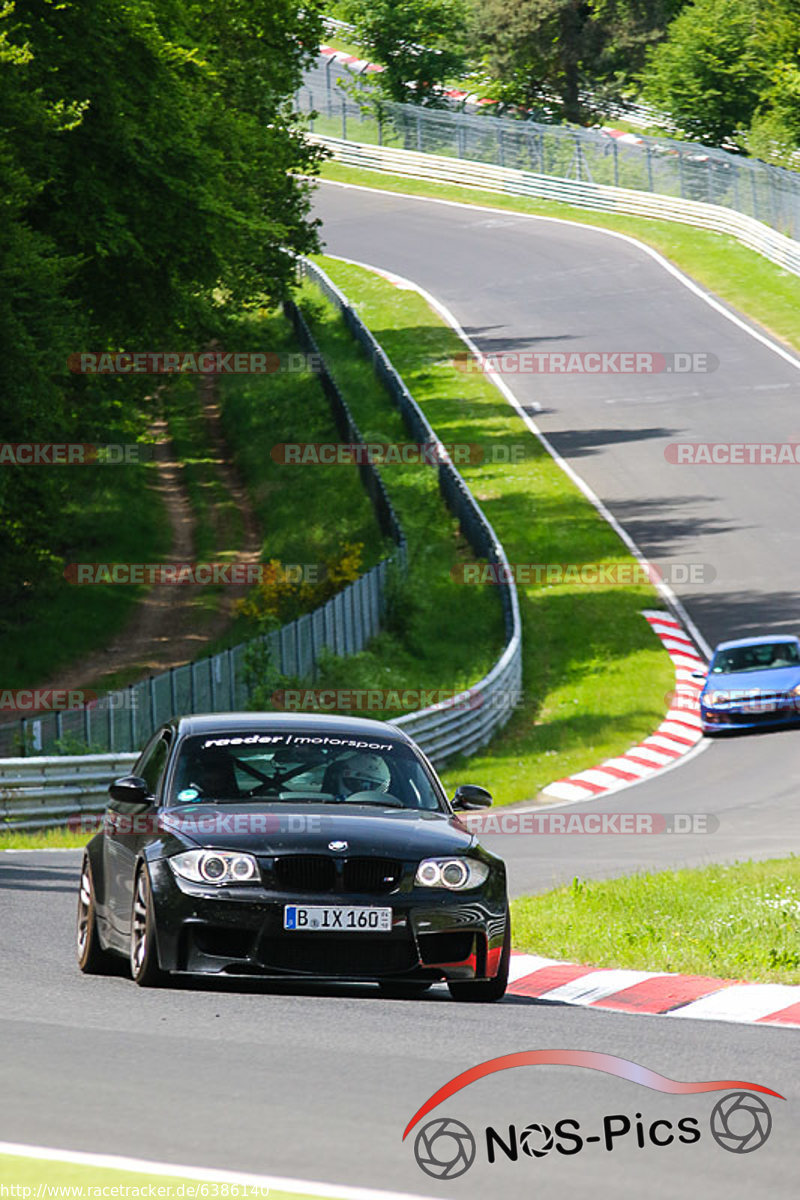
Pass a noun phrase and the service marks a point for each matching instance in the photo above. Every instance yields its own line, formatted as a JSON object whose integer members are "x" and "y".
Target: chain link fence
{"x": 684, "y": 170}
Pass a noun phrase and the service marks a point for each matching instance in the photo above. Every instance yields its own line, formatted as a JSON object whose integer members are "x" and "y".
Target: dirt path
{"x": 171, "y": 624}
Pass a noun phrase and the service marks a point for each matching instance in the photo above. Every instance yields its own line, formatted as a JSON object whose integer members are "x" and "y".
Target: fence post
{"x": 344, "y": 120}
{"x": 132, "y": 703}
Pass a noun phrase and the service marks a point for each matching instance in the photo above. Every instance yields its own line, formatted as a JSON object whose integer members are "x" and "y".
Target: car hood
{"x": 781, "y": 679}
{"x": 287, "y": 828}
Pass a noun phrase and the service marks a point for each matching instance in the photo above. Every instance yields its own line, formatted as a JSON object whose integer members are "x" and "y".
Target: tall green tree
{"x": 150, "y": 171}
{"x": 774, "y": 132}
{"x": 710, "y": 72}
{"x": 420, "y": 43}
{"x": 553, "y": 50}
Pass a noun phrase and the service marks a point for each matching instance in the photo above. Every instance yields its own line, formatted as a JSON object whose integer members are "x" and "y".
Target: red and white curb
{"x": 362, "y": 67}
{"x": 678, "y": 733}
{"x": 349, "y": 60}
{"x": 695, "y": 996}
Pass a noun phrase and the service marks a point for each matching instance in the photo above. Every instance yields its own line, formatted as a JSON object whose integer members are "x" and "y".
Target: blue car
{"x": 751, "y": 683}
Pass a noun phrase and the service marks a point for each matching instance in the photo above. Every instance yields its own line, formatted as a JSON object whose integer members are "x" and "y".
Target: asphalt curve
{"x": 320, "y": 1083}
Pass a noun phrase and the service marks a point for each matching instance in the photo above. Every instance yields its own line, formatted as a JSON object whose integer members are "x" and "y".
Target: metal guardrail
{"x": 123, "y": 720}
{"x": 752, "y": 233}
{"x": 463, "y": 724}
{"x": 41, "y": 792}
{"x": 664, "y": 166}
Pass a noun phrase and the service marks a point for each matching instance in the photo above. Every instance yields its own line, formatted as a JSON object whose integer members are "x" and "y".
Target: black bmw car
{"x": 283, "y": 845}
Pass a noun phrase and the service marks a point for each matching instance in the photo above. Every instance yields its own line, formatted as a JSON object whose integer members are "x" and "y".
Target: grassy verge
{"x": 740, "y": 922}
{"x": 43, "y": 839}
{"x": 114, "y": 515}
{"x": 595, "y": 678}
{"x": 305, "y": 512}
{"x": 437, "y": 635}
{"x": 33, "y": 1173}
{"x": 743, "y": 279}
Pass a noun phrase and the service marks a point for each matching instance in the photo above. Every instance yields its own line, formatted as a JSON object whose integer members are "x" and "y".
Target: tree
{"x": 420, "y": 43}
{"x": 150, "y": 167}
{"x": 774, "y": 132}
{"x": 710, "y": 72}
{"x": 545, "y": 50}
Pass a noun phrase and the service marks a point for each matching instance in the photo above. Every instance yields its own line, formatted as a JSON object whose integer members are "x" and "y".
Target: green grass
{"x": 42, "y": 839}
{"x": 113, "y": 515}
{"x": 594, "y": 675}
{"x": 743, "y": 279}
{"x": 218, "y": 522}
{"x": 740, "y": 921}
{"x": 306, "y": 513}
{"x": 28, "y": 1173}
{"x": 439, "y": 635}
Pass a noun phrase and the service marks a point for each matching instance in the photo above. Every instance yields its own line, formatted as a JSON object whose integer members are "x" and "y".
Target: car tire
{"x": 486, "y": 991}
{"x": 402, "y": 989}
{"x": 92, "y": 958}
{"x": 145, "y": 970}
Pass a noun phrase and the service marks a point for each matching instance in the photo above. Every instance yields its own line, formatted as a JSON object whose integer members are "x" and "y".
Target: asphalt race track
{"x": 319, "y": 1083}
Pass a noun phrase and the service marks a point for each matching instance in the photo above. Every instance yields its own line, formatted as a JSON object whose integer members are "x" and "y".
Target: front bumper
{"x": 239, "y": 931}
{"x": 749, "y": 716}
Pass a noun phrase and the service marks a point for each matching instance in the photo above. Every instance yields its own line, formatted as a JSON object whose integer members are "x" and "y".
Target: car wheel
{"x": 92, "y": 958}
{"x": 486, "y": 991}
{"x": 144, "y": 953}
{"x": 404, "y": 989}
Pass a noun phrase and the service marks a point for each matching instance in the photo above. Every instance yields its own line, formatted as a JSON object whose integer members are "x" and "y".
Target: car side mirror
{"x": 698, "y": 674}
{"x": 130, "y": 789}
{"x": 469, "y": 795}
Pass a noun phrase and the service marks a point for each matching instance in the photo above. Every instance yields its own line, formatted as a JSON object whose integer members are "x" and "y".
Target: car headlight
{"x": 713, "y": 698}
{"x": 455, "y": 874}
{"x": 214, "y": 866}
{"x": 795, "y": 691}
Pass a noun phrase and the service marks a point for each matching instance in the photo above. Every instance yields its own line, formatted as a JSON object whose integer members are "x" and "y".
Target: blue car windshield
{"x": 300, "y": 767}
{"x": 765, "y": 656}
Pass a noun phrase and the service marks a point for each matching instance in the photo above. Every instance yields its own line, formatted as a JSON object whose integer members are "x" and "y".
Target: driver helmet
{"x": 364, "y": 773}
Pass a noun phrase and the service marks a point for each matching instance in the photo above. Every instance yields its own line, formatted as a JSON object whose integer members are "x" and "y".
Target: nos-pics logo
{"x": 740, "y": 1122}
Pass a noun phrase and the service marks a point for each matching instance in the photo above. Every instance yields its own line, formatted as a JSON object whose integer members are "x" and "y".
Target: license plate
{"x": 336, "y": 918}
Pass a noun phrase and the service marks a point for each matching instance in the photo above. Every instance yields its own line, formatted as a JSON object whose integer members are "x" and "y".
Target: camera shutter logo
{"x": 740, "y": 1122}
{"x": 444, "y": 1148}
{"x": 536, "y": 1140}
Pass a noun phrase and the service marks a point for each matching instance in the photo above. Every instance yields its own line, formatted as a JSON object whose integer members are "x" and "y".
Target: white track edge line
{"x": 146, "y": 1166}
{"x": 664, "y": 590}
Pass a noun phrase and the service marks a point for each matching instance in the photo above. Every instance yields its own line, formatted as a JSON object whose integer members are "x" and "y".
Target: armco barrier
{"x": 39, "y": 792}
{"x": 459, "y": 726}
{"x": 443, "y": 169}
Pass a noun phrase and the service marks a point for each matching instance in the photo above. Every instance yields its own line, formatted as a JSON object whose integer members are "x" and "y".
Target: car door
{"x": 127, "y": 828}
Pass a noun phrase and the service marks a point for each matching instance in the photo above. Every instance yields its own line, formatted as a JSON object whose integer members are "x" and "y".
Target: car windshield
{"x": 761, "y": 657}
{"x": 292, "y": 767}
